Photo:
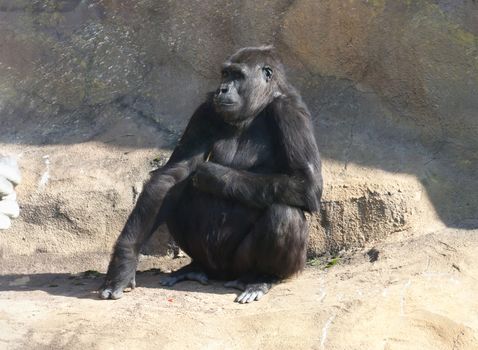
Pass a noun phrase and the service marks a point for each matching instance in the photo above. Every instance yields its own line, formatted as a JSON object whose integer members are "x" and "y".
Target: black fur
{"x": 235, "y": 189}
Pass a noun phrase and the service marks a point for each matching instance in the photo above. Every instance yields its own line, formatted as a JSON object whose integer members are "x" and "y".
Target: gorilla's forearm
{"x": 153, "y": 205}
{"x": 257, "y": 190}
{"x": 152, "y": 208}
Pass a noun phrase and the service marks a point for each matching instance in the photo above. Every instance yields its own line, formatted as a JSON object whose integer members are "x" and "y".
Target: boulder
{"x": 104, "y": 88}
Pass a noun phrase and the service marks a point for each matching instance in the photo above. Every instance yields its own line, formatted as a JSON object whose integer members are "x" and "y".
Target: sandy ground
{"x": 419, "y": 294}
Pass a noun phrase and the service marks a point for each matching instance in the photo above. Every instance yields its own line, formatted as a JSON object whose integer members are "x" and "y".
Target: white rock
{"x": 6, "y": 187}
{"x": 12, "y": 196}
{"x": 9, "y": 208}
{"x": 9, "y": 169}
{"x": 4, "y": 222}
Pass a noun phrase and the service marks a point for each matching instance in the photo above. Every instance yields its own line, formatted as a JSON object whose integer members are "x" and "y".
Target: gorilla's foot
{"x": 113, "y": 289}
{"x": 252, "y": 289}
{"x": 252, "y": 292}
{"x": 189, "y": 272}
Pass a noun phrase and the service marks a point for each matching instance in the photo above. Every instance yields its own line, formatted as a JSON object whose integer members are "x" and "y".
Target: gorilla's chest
{"x": 253, "y": 149}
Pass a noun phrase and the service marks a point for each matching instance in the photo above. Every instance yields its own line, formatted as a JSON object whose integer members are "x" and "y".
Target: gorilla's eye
{"x": 267, "y": 72}
{"x": 225, "y": 73}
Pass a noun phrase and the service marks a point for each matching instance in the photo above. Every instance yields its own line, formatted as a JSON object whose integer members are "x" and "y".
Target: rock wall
{"x": 102, "y": 88}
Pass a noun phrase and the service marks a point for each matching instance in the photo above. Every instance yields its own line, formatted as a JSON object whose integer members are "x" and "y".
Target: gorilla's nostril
{"x": 224, "y": 90}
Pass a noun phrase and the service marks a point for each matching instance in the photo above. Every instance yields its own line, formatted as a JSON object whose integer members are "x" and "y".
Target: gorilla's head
{"x": 251, "y": 79}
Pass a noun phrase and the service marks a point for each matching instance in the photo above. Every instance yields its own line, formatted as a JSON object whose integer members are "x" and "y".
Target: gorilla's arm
{"x": 188, "y": 153}
{"x": 155, "y": 203}
{"x": 299, "y": 185}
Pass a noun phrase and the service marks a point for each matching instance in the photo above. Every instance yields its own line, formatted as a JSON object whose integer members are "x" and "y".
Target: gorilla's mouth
{"x": 225, "y": 103}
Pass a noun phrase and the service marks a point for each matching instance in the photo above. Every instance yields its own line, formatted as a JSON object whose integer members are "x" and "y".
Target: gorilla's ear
{"x": 267, "y": 73}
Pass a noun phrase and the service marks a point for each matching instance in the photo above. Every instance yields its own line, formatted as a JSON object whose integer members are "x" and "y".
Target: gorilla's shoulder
{"x": 290, "y": 105}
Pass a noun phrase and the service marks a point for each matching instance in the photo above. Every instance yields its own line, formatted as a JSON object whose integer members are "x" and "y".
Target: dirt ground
{"x": 420, "y": 293}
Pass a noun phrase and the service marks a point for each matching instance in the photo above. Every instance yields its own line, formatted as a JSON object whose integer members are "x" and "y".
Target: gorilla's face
{"x": 244, "y": 91}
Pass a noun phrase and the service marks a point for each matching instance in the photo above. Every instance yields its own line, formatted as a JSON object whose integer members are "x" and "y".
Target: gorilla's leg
{"x": 191, "y": 272}
{"x": 155, "y": 204}
{"x": 274, "y": 249}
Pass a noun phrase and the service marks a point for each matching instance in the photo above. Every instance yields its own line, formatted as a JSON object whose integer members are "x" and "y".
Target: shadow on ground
{"x": 85, "y": 285}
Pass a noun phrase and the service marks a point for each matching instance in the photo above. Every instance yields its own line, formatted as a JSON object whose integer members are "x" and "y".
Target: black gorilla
{"x": 234, "y": 192}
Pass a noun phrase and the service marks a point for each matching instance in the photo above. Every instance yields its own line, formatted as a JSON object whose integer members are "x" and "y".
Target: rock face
{"x": 102, "y": 88}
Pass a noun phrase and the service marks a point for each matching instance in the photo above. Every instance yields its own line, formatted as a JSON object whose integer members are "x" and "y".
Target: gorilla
{"x": 234, "y": 191}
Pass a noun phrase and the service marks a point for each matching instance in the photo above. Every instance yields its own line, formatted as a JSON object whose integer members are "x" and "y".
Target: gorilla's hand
{"x": 121, "y": 274}
{"x": 211, "y": 177}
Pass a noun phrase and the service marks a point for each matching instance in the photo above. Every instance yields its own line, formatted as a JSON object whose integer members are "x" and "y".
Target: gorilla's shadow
{"x": 85, "y": 286}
